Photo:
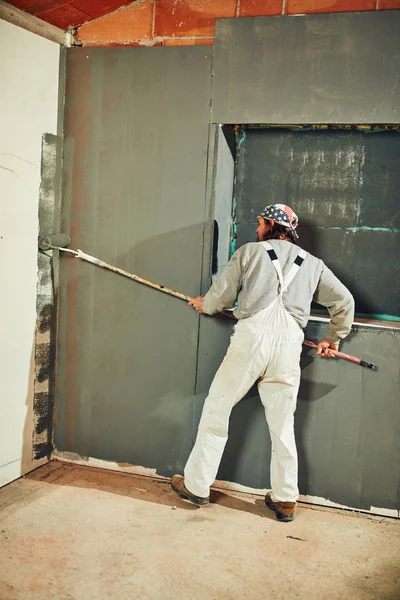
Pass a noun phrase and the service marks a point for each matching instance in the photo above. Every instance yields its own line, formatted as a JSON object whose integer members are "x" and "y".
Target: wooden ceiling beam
{"x": 33, "y": 24}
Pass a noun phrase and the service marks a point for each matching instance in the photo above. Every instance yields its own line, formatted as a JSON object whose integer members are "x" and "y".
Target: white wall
{"x": 28, "y": 108}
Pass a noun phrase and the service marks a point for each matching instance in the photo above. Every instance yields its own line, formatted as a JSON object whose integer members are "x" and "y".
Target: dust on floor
{"x": 69, "y": 532}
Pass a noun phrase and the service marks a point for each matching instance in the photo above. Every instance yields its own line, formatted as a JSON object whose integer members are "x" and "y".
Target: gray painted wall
{"x": 136, "y": 136}
{"x": 131, "y": 384}
{"x": 328, "y": 68}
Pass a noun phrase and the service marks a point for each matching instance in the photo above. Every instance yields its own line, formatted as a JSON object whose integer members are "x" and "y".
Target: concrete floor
{"x": 71, "y": 532}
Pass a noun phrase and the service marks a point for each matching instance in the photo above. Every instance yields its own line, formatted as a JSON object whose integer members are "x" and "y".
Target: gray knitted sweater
{"x": 251, "y": 279}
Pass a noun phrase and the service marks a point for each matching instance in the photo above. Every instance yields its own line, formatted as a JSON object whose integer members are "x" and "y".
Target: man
{"x": 273, "y": 282}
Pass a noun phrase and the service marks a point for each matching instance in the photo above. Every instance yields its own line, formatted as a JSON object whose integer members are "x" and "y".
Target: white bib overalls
{"x": 265, "y": 347}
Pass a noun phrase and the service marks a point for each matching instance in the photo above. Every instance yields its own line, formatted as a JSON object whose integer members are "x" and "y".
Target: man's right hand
{"x": 324, "y": 348}
{"x": 197, "y": 303}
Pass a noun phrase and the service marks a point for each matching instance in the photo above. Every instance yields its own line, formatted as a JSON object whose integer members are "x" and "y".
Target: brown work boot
{"x": 178, "y": 485}
{"x": 284, "y": 510}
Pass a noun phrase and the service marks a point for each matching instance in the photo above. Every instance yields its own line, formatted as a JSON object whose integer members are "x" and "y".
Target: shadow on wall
{"x": 249, "y": 440}
{"x": 126, "y": 389}
{"x": 38, "y": 414}
{"x": 310, "y": 392}
{"x": 27, "y": 437}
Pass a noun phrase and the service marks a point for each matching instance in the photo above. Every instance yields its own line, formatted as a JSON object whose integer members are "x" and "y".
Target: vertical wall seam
{"x": 62, "y": 78}
{"x": 205, "y": 253}
{"x": 284, "y": 7}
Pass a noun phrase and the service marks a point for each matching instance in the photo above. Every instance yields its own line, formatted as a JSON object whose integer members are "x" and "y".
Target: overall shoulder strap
{"x": 284, "y": 283}
{"x": 294, "y": 268}
{"x": 275, "y": 262}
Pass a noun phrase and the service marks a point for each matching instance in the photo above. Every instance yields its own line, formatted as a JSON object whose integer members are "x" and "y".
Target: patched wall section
{"x": 46, "y": 306}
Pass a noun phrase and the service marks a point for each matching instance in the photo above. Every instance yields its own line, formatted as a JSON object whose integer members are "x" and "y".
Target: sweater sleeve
{"x": 224, "y": 291}
{"x": 332, "y": 294}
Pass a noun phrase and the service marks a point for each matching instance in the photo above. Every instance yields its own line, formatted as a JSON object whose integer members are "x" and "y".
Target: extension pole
{"x": 104, "y": 265}
{"x": 171, "y": 292}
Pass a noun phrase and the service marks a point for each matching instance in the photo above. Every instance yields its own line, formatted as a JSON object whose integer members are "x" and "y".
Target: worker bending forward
{"x": 273, "y": 282}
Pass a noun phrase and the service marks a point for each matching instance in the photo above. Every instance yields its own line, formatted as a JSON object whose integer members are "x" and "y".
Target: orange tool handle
{"x": 358, "y": 361}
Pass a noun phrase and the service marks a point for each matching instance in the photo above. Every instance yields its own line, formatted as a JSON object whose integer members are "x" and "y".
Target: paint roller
{"x": 61, "y": 240}
{"x": 58, "y": 241}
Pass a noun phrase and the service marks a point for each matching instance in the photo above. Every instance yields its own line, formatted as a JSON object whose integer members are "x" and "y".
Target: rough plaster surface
{"x": 344, "y": 185}
{"x": 77, "y": 533}
{"x": 28, "y": 108}
{"x": 135, "y": 166}
{"x": 333, "y": 68}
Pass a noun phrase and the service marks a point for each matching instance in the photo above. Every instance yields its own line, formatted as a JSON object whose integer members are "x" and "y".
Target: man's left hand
{"x": 325, "y": 347}
{"x": 197, "y": 303}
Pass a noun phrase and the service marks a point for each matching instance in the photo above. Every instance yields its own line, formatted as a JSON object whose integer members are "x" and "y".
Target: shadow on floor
{"x": 138, "y": 487}
{"x": 121, "y": 484}
{"x": 257, "y": 508}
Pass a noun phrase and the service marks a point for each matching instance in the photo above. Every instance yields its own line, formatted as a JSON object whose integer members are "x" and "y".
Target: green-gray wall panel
{"x": 324, "y": 68}
{"x": 136, "y": 136}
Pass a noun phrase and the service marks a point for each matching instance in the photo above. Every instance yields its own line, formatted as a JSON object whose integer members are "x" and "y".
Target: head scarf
{"x": 283, "y": 215}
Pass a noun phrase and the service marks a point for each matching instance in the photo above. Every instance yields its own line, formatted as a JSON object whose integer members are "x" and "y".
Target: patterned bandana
{"x": 283, "y": 215}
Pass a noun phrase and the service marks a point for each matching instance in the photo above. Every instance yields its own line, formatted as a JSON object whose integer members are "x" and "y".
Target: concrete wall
{"x": 29, "y": 68}
{"x": 191, "y": 22}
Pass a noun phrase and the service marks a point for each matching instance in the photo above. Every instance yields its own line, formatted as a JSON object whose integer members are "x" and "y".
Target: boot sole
{"x": 191, "y": 497}
{"x": 282, "y": 517}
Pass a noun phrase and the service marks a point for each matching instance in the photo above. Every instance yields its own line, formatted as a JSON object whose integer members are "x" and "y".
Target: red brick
{"x": 64, "y": 16}
{"x": 63, "y": 11}
{"x": 388, "y": 4}
{"x": 260, "y": 8}
{"x": 327, "y": 6}
{"x": 99, "y": 8}
{"x": 188, "y": 42}
{"x": 176, "y": 18}
{"x": 132, "y": 23}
